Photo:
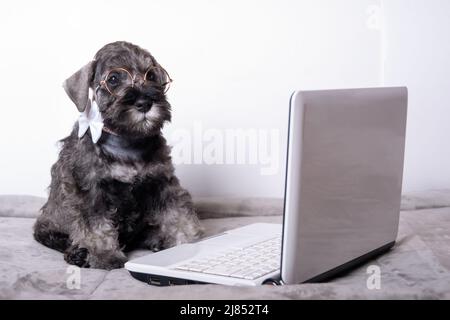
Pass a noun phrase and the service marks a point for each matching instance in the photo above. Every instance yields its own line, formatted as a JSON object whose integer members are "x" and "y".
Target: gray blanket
{"x": 418, "y": 267}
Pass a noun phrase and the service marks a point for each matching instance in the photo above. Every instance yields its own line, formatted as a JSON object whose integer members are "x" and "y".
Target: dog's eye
{"x": 150, "y": 76}
{"x": 113, "y": 80}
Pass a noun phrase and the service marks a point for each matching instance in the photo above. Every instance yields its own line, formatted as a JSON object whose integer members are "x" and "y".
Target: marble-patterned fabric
{"x": 418, "y": 267}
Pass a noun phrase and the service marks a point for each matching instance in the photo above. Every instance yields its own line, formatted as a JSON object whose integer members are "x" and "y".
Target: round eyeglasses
{"x": 119, "y": 79}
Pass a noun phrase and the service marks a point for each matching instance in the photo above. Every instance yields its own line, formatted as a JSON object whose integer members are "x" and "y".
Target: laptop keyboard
{"x": 250, "y": 262}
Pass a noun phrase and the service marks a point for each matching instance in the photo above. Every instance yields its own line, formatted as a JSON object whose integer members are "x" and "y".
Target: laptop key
{"x": 239, "y": 274}
{"x": 197, "y": 268}
{"x": 183, "y": 267}
{"x": 222, "y": 270}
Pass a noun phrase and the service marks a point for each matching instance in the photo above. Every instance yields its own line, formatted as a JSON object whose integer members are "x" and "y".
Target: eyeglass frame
{"x": 133, "y": 78}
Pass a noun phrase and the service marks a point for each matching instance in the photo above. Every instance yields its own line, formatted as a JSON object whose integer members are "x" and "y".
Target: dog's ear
{"x": 77, "y": 86}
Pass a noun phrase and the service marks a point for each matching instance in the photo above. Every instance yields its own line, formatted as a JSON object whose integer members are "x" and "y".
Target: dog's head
{"x": 129, "y": 87}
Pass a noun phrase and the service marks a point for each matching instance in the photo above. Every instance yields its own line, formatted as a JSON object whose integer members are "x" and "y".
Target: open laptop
{"x": 342, "y": 199}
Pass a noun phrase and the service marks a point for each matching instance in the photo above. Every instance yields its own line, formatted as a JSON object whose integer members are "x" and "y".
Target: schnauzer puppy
{"x": 114, "y": 189}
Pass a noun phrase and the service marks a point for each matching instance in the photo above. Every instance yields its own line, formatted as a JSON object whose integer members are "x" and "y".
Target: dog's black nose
{"x": 143, "y": 106}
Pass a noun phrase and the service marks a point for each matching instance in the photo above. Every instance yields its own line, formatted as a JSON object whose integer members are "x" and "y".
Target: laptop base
{"x": 163, "y": 281}
{"x": 349, "y": 266}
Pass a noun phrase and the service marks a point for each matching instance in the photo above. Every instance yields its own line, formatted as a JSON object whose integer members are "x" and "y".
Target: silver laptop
{"x": 342, "y": 199}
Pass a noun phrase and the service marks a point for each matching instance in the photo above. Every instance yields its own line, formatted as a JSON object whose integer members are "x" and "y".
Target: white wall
{"x": 235, "y": 64}
{"x": 418, "y": 55}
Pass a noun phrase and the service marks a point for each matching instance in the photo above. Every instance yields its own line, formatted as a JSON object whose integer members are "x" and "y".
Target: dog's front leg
{"x": 94, "y": 235}
{"x": 95, "y": 244}
{"x": 173, "y": 223}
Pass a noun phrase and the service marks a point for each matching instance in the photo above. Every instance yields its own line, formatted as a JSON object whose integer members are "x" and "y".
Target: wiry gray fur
{"x": 121, "y": 193}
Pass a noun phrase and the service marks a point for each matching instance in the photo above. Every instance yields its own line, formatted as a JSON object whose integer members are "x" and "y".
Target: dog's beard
{"x": 128, "y": 121}
{"x": 149, "y": 122}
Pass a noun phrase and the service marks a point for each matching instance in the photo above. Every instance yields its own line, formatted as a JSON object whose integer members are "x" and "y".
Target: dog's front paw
{"x": 154, "y": 244}
{"x": 108, "y": 261}
{"x": 77, "y": 256}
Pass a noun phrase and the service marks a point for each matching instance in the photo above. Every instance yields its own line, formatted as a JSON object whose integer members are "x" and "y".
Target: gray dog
{"x": 117, "y": 191}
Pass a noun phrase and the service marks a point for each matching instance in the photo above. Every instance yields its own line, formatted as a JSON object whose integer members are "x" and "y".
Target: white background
{"x": 235, "y": 64}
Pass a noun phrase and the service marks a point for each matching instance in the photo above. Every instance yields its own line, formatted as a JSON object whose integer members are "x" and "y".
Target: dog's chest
{"x": 126, "y": 173}
{"x": 138, "y": 173}
{"x": 131, "y": 187}
{"x": 128, "y": 161}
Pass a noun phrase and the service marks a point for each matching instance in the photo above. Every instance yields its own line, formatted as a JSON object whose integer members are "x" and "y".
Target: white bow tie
{"x": 91, "y": 119}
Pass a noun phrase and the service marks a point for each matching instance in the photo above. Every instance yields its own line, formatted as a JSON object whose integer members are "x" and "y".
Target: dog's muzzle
{"x": 141, "y": 99}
